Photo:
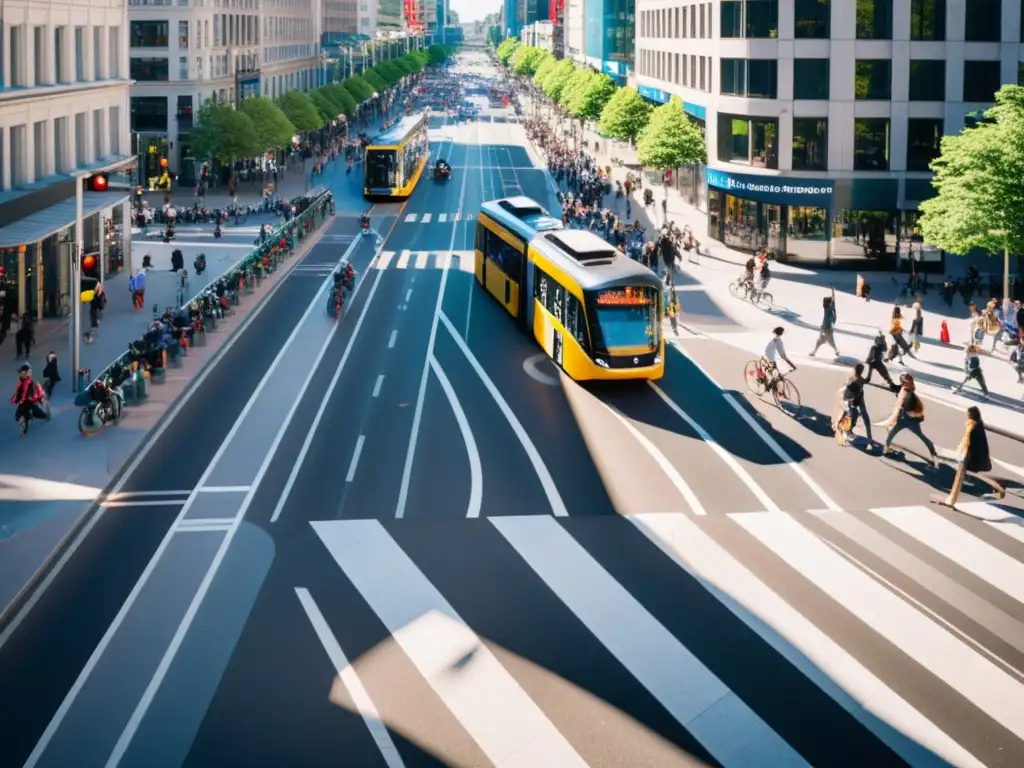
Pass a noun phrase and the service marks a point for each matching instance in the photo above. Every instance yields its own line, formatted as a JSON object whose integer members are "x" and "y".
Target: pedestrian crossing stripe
{"x": 911, "y": 663}
{"x": 460, "y": 261}
{"x": 442, "y": 218}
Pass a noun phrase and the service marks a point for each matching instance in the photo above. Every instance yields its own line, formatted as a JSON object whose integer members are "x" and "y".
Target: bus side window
{"x": 481, "y": 233}
{"x": 558, "y": 302}
{"x": 576, "y": 323}
{"x": 541, "y": 288}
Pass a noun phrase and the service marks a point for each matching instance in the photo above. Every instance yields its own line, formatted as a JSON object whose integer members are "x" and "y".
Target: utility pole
{"x": 75, "y": 294}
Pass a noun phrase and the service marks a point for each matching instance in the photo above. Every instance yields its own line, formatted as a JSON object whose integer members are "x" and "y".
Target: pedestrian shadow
{"x": 974, "y": 395}
{"x": 814, "y": 420}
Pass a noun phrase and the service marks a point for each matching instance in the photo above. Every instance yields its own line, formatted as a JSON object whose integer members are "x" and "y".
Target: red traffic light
{"x": 97, "y": 183}
{"x": 88, "y": 263}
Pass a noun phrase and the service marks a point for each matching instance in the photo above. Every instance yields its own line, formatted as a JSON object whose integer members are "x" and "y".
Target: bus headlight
{"x": 602, "y": 363}
{"x": 657, "y": 359}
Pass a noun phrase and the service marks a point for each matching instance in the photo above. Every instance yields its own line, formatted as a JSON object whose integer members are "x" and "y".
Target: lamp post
{"x": 1004, "y": 235}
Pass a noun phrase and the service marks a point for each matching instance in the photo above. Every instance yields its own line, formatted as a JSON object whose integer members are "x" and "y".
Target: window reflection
{"x": 871, "y": 144}
{"x": 748, "y": 141}
{"x": 810, "y": 144}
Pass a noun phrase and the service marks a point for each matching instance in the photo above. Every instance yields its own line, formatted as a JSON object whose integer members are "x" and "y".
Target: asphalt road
{"x": 405, "y": 539}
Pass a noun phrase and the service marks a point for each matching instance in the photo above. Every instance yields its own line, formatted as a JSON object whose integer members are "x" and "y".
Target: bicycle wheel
{"x": 765, "y": 300}
{"x": 754, "y": 378}
{"x": 89, "y": 422}
{"x": 737, "y": 290}
{"x": 787, "y": 397}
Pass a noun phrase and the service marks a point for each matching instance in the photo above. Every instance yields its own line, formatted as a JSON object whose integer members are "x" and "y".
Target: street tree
{"x": 625, "y": 115}
{"x": 359, "y": 88}
{"x": 600, "y": 88}
{"x": 225, "y": 134}
{"x": 438, "y": 54}
{"x": 671, "y": 139}
{"x": 555, "y": 82}
{"x": 324, "y": 106}
{"x": 375, "y": 80}
{"x": 979, "y": 178}
{"x": 575, "y": 88}
{"x": 526, "y": 61}
{"x": 506, "y": 49}
{"x": 544, "y": 69}
{"x": 340, "y": 98}
{"x": 273, "y": 129}
{"x": 298, "y": 108}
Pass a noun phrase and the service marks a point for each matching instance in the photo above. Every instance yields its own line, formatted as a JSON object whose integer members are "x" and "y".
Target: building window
{"x": 150, "y": 69}
{"x": 97, "y": 48}
{"x": 810, "y": 79}
{"x": 97, "y": 134}
{"x": 60, "y": 145}
{"x": 183, "y": 67}
{"x": 874, "y": 19}
{"x": 149, "y": 34}
{"x": 810, "y": 144}
{"x": 79, "y": 54}
{"x": 80, "y": 143}
{"x": 748, "y": 141}
{"x": 149, "y": 114}
{"x": 114, "y": 119}
{"x": 924, "y": 137}
{"x": 871, "y": 144}
{"x": 749, "y": 18}
{"x": 114, "y": 52}
{"x": 812, "y": 19}
{"x": 756, "y": 78}
{"x": 983, "y": 21}
{"x": 927, "y": 80}
{"x": 183, "y": 35}
{"x": 58, "y": 55}
{"x": 1020, "y": 69}
{"x": 928, "y": 19}
{"x": 873, "y": 79}
{"x": 981, "y": 81}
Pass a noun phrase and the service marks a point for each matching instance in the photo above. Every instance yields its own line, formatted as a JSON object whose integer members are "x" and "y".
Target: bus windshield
{"x": 626, "y": 317}
{"x": 381, "y": 169}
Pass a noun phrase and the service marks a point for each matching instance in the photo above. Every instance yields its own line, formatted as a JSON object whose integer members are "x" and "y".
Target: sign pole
{"x": 75, "y": 293}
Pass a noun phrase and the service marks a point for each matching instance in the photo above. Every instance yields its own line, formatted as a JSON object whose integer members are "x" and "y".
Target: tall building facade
{"x": 182, "y": 55}
{"x": 575, "y": 30}
{"x": 822, "y": 116}
{"x": 609, "y": 38}
{"x": 63, "y": 116}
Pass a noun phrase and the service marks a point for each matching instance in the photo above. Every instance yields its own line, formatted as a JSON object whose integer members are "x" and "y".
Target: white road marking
{"x": 821, "y": 659}
{"x": 663, "y": 463}
{"x": 530, "y": 364}
{"x": 957, "y": 545}
{"x": 409, "y": 219}
{"x": 186, "y": 622}
{"x": 378, "y": 384}
{"x": 391, "y": 341}
{"x": 301, "y": 458}
{"x": 410, "y": 454}
{"x": 351, "y": 475}
{"x": 558, "y": 508}
{"x": 426, "y": 218}
{"x": 487, "y": 701}
{"x": 1004, "y": 521}
{"x": 973, "y": 676}
{"x": 115, "y": 625}
{"x": 715, "y": 716}
{"x": 403, "y": 260}
{"x": 348, "y": 677}
{"x": 384, "y": 259}
{"x": 225, "y": 489}
{"x": 422, "y": 259}
{"x": 723, "y": 454}
{"x": 408, "y": 295}
{"x": 143, "y": 503}
{"x": 1013, "y": 468}
{"x": 442, "y": 218}
{"x": 132, "y": 494}
{"x": 476, "y": 473}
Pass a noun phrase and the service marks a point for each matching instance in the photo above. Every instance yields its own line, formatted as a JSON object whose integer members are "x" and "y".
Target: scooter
{"x": 366, "y": 223}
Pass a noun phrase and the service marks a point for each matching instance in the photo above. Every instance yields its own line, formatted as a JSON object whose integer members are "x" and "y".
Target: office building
{"x": 183, "y": 54}
{"x": 822, "y": 116}
{"x": 63, "y": 116}
{"x": 575, "y": 30}
{"x": 609, "y": 36}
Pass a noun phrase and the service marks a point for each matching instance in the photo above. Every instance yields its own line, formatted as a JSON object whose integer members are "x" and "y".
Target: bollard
{"x": 84, "y": 378}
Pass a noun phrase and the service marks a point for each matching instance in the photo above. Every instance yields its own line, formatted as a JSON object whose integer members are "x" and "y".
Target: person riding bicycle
{"x": 442, "y": 169}
{"x": 776, "y": 349}
{"x": 364, "y": 221}
{"x": 747, "y": 280}
{"x": 766, "y": 276}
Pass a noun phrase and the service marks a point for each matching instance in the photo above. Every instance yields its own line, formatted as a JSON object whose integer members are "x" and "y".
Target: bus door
{"x": 526, "y": 303}
{"x": 502, "y": 270}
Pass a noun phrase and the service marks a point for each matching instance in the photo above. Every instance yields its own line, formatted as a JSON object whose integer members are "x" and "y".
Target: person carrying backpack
{"x": 28, "y": 399}
{"x": 908, "y": 414}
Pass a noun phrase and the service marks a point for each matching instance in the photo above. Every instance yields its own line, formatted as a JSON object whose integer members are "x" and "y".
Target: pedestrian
{"x": 27, "y": 399}
{"x": 908, "y": 414}
{"x": 916, "y": 326}
{"x": 826, "y": 333}
{"x": 139, "y": 293}
{"x": 899, "y": 343}
{"x": 25, "y": 337}
{"x": 876, "y": 362}
{"x": 972, "y": 370}
{"x": 51, "y": 376}
{"x": 974, "y": 459}
{"x": 851, "y": 407}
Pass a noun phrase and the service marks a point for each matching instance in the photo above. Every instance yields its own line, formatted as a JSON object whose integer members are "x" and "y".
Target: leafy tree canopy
{"x": 439, "y": 53}
{"x": 526, "y": 60}
{"x": 359, "y": 88}
{"x": 375, "y": 80}
{"x": 224, "y": 133}
{"x": 555, "y": 82}
{"x": 575, "y": 88}
{"x": 979, "y": 176}
{"x": 671, "y": 139}
{"x": 298, "y": 108}
{"x": 506, "y": 49}
{"x": 544, "y": 69}
{"x": 600, "y": 88}
{"x": 324, "y": 106}
{"x": 273, "y": 129}
{"x": 625, "y": 115}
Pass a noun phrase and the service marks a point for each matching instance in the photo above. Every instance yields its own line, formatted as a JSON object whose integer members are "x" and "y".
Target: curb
{"x": 10, "y": 613}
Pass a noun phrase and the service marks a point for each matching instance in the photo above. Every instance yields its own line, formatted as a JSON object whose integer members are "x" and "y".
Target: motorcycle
{"x": 442, "y": 172}
{"x": 366, "y": 223}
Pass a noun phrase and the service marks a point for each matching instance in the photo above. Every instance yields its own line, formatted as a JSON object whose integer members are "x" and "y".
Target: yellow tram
{"x": 395, "y": 159}
{"x": 596, "y": 312}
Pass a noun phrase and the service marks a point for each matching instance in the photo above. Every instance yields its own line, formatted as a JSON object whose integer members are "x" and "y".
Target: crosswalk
{"x": 437, "y": 218}
{"x": 461, "y": 261}
{"x": 889, "y": 636}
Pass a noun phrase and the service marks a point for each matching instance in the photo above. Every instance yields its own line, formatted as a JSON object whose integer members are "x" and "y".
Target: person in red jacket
{"x": 27, "y": 399}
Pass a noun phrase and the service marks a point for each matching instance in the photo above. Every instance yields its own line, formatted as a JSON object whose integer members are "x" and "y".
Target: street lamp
{"x": 1004, "y": 234}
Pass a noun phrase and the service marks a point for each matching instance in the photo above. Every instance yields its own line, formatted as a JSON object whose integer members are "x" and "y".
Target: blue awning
{"x": 44, "y": 223}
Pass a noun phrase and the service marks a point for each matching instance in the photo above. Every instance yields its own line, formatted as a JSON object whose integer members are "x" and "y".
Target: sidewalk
{"x": 798, "y": 293}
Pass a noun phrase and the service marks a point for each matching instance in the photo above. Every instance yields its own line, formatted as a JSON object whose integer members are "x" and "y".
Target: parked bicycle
{"x": 105, "y": 406}
{"x": 743, "y": 290}
{"x": 761, "y": 377}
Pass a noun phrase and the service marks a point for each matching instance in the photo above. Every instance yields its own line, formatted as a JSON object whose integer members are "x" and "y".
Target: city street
{"x": 405, "y": 538}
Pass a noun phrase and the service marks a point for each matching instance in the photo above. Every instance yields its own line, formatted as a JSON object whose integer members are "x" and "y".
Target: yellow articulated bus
{"x": 596, "y": 312}
{"x": 395, "y": 159}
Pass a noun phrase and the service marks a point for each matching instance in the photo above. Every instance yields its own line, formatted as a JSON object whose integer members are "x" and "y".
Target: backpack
{"x": 913, "y": 407}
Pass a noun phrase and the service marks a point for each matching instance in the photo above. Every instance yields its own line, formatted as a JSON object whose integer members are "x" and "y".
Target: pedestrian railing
{"x": 234, "y": 282}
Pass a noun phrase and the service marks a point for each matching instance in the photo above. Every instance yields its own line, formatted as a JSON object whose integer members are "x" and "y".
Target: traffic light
{"x": 89, "y": 276}
{"x": 98, "y": 182}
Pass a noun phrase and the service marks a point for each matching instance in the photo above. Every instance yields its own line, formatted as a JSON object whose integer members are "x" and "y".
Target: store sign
{"x": 774, "y": 189}
{"x": 654, "y": 94}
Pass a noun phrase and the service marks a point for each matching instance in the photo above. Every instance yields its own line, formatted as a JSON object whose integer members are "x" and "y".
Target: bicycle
{"x": 743, "y": 290}
{"x": 760, "y": 377}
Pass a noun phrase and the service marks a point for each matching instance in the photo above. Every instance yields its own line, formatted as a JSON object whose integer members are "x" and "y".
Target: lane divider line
{"x": 225, "y": 489}
{"x": 115, "y": 625}
{"x": 377, "y": 385}
{"x": 394, "y": 337}
{"x": 558, "y": 508}
{"x": 476, "y": 472}
{"x": 353, "y": 465}
{"x": 348, "y": 677}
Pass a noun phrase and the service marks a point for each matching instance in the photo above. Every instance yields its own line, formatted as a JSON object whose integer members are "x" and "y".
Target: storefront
{"x": 789, "y": 215}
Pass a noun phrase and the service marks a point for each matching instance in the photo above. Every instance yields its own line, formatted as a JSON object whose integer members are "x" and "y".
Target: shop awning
{"x": 44, "y": 223}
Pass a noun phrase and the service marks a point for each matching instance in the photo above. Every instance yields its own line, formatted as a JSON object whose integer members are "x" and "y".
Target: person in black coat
{"x": 975, "y": 459}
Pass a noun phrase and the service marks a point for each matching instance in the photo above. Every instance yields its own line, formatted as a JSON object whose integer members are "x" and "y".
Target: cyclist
{"x": 747, "y": 281}
{"x": 766, "y": 276}
{"x": 776, "y": 349}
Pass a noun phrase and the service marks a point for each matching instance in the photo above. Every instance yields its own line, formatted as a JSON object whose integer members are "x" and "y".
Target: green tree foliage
{"x": 340, "y": 98}
{"x": 273, "y": 129}
{"x": 378, "y": 83}
{"x": 403, "y": 66}
{"x": 390, "y": 73}
{"x": 421, "y": 58}
{"x": 544, "y": 69}
{"x": 506, "y": 49}
{"x": 600, "y": 88}
{"x": 575, "y": 88}
{"x": 359, "y": 88}
{"x": 625, "y": 115}
{"x": 439, "y": 53}
{"x": 526, "y": 60}
{"x": 555, "y": 82}
{"x": 671, "y": 139}
{"x": 299, "y": 109}
{"x": 979, "y": 176}
{"x": 224, "y": 133}
{"x": 324, "y": 107}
